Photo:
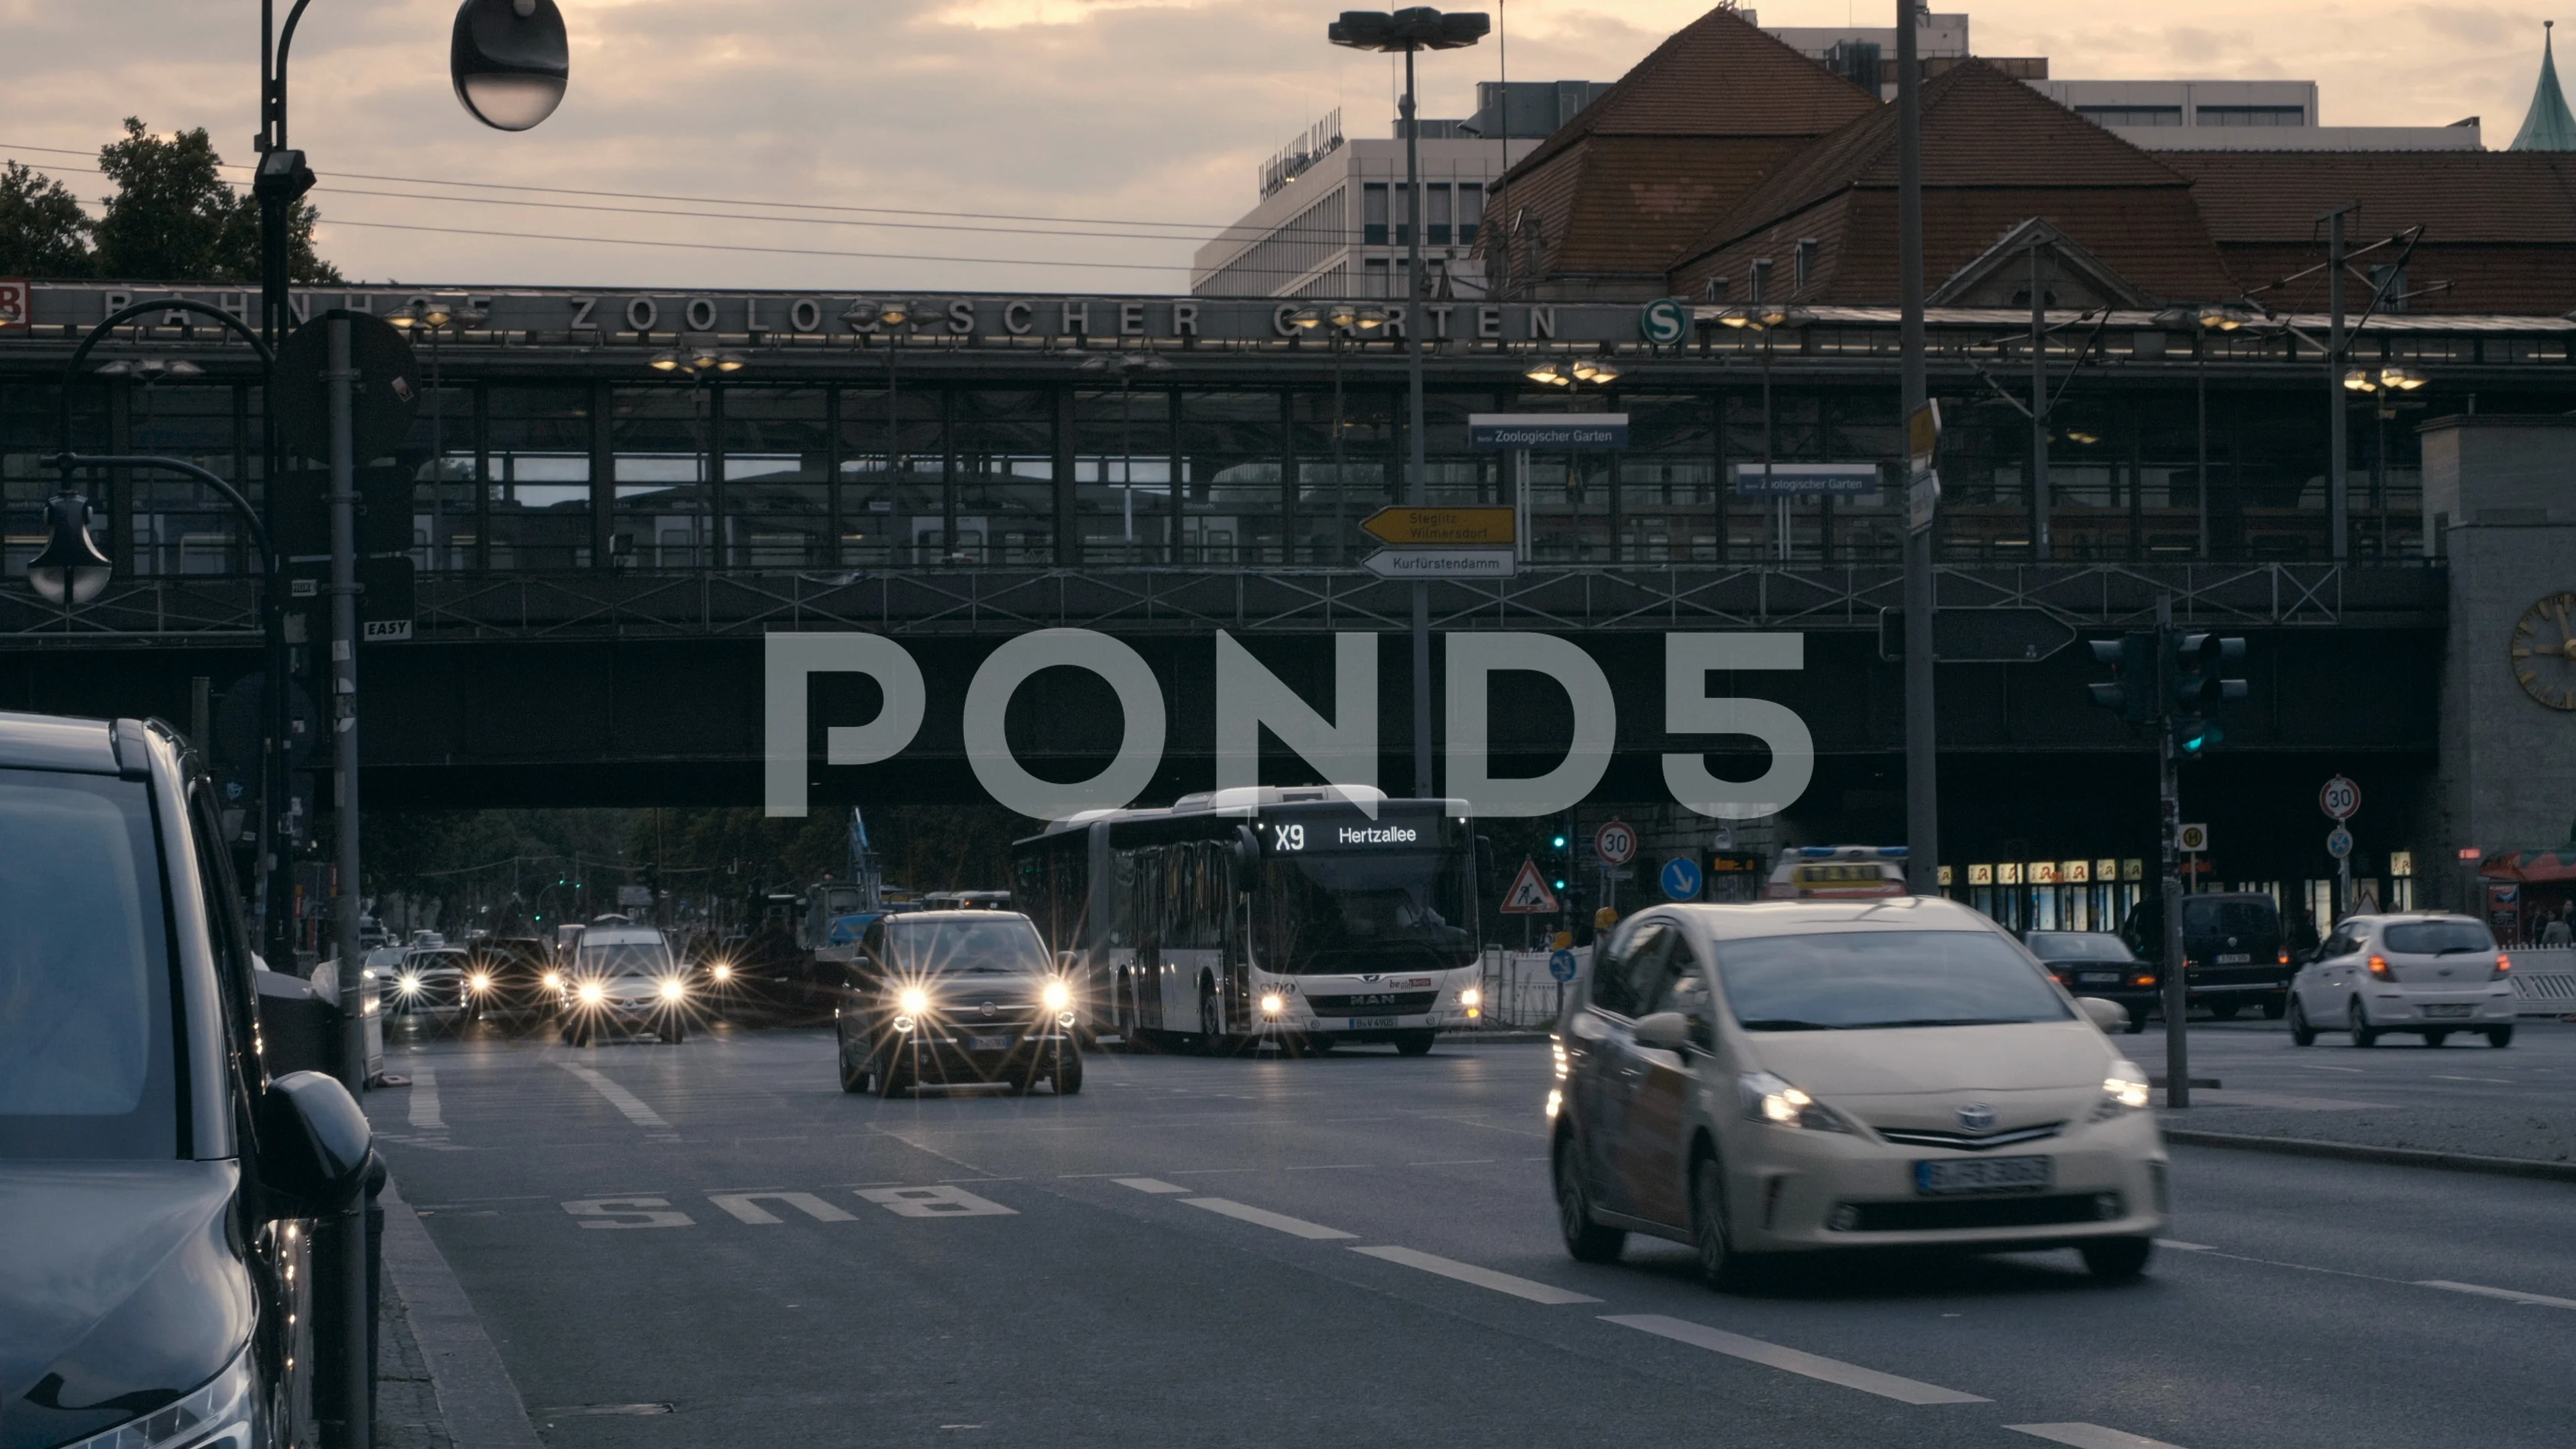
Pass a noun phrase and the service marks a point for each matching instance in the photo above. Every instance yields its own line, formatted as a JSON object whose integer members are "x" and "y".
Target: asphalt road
{"x": 710, "y": 1243}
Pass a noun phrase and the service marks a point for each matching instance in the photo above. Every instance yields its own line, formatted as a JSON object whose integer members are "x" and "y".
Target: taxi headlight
{"x": 1767, "y": 1098}
{"x": 225, "y": 1411}
{"x": 592, "y": 993}
{"x": 2124, "y": 1088}
{"x": 1057, "y": 996}
{"x": 672, "y": 989}
{"x": 914, "y": 1001}
{"x": 1272, "y": 1003}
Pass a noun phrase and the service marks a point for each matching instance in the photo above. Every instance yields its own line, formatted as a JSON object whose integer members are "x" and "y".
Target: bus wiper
{"x": 1786, "y": 1023}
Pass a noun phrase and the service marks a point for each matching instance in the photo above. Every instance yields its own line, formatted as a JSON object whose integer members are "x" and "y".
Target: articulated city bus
{"x": 1287, "y": 914}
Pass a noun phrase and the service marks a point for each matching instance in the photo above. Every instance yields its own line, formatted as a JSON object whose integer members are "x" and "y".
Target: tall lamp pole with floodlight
{"x": 1417, "y": 28}
{"x": 433, "y": 317}
{"x": 1766, "y": 318}
{"x": 702, "y": 366}
{"x": 1127, "y": 365}
{"x": 1346, "y": 320}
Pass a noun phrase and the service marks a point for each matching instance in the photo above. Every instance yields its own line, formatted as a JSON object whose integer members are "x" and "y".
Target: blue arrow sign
{"x": 1681, "y": 879}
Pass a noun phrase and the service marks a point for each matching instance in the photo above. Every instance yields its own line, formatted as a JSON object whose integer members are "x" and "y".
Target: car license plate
{"x": 2439, "y": 1012}
{"x": 988, "y": 1043}
{"x": 1363, "y": 1023}
{"x": 2234, "y": 958}
{"x": 1982, "y": 1174}
{"x": 2098, "y": 978}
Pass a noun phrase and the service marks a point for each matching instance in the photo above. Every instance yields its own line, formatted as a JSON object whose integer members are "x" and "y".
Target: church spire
{"x": 2549, "y": 127}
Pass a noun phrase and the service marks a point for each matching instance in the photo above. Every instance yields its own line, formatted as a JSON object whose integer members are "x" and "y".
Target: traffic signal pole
{"x": 2169, "y": 817}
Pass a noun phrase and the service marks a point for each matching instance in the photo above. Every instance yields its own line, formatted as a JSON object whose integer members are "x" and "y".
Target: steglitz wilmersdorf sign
{"x": 1342, "y": 748}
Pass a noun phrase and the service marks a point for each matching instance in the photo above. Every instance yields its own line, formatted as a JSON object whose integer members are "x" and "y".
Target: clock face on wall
{"x": 2544, "y": 651}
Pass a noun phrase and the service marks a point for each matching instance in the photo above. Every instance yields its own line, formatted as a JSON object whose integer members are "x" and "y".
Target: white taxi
{"x": 1790, "y": 1077}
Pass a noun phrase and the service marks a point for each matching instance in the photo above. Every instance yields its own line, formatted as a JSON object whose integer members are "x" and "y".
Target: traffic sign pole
{"x": 2177, "y": 991}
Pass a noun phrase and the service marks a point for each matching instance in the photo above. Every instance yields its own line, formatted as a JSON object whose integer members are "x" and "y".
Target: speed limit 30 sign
{"x": 2340, "y": 799}
{"x": 1615, "y": 843}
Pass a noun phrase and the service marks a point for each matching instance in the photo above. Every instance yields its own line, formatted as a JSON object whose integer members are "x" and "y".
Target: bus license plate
{"x": 1363, "y": 1023}
{"x": 988, "y": 1043}
{"x": 1985, "y": 1174}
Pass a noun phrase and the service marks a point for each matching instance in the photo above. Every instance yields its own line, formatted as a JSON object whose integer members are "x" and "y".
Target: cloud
{"x": 1128, "y": 111}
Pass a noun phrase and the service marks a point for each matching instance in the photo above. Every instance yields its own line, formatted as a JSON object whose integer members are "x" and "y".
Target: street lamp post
{"x": 1922, "y": 743}
{"x": 1344, "y": 318}
{"x": 1766, "y": 318}
{"x": 701, "y": 365}
{"x": 1417, "y": 28}
{"x": 1573, "y": 374}
{"x": 434, "y": 316}
{"x": 1126, "y": 365}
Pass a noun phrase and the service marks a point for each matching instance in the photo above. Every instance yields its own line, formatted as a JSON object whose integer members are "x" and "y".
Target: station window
{"x": 2253, "y": 115}
{"x": 1471, "y": 210}
{"x": 1435, "y": 215}
{"x": 1373, "y": 213}
{"x": 2136, "y": 115}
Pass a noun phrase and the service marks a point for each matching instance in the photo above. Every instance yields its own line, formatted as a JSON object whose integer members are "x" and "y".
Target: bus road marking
{"x": 745, "y": 1206}
{"x": 1263, "y": 1217}
{"x": 1814, "y": 1366}
{"x": 935, "y": 1202}
{"x": 1152, "y": 1184}
{"x": 627, "y": 1212}
{"x": 1532, "y": 1290}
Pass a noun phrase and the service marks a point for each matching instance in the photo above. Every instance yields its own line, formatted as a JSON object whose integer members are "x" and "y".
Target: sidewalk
{"x": 407, "y": 1414}
{"x": 2534, "y": 1133}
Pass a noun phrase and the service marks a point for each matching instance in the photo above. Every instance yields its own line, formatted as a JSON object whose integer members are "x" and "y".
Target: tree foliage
{"x": 173, "y": 218}
{"x": 43, "y": 231}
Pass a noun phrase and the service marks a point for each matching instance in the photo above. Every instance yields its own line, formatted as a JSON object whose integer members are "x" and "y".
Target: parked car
{"x": 624, "y": 978}
{"x": 966, "y": 996}
{"x": 163, "y": 1176}
{"x": 2098, "y": 963}
{"x": 2429, "y": 973}
{"x": 2232, "y": 945}
{"x": 1793, "y": 1077}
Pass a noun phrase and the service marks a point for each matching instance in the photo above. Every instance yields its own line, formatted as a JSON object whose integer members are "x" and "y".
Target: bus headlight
{"x": 1272, "y": 1003}
{"x": 672, "y": 990}
{"x": 914, "y": 1002}
{"x": 592, "y": 993}
{"x": 1057, "y": 996}
{"x": 1471, "y": 998}
{"x": 479, "y": 982}
{"x": 408, "y": 985}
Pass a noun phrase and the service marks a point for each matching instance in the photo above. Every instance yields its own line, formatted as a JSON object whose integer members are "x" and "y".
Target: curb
{"x": 2387, "y": 1156}
{"x": 474, "y": 1391}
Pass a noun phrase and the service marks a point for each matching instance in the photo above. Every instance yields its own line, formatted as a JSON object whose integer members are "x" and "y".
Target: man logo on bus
{"x": 1250, "y": 699}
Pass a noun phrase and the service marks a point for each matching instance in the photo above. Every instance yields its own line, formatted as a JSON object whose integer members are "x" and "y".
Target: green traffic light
{"x": 1558, "y": 843}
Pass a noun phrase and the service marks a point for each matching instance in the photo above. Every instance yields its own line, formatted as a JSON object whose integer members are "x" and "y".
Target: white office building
{"x": 1331, "y": 221}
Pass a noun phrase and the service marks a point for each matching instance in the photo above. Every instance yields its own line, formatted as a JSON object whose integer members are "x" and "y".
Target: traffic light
{"x": 2132, "y": 658}
{"x": 2195, "y": 667}
{"x": 1557, "y": 843}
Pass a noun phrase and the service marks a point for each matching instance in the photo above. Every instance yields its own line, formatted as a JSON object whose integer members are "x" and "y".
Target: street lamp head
{"x": 2360, "y": 380}
{"x": 403, "y": 318}
{"x": 894, "y": 314}
{"x": 666, "y": 362}
{"x": 728, "y": 362}
{"x": 509, "y": 60}
{"x": 1548, "y": 374}
{"x": 1596, "y": 370}
{"x": 70, "y": 565}
{"x": 1307, "y": 318}
{"x": 2401, "y": 379}
{"x": 1418, "y": 27}
{"x": 2224, "y": 318}
{"x": 861, "y": 316}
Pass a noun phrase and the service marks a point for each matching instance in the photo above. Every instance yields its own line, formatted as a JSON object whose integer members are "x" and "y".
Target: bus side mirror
{"x": 1247, "y": 849}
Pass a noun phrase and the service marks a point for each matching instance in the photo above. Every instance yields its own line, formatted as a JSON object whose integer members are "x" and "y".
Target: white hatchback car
{"x": 2427, "y": 973}
{"x": 1797, "y": 1076}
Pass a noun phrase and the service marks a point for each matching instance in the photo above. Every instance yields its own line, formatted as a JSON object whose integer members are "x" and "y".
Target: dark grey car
{"x": 955, "y": 998}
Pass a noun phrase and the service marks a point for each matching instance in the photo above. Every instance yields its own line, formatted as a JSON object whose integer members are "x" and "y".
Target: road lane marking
{"x": 2179, "y": 1246}
{"x": 2499, "y": 1081}
{"x": 627, "y": 1212}
{"x": 2088, "y": 1436}
{"x": 424, "y": 1099}
{"x": 1535, "y": 1292}
{"x": 618, "y": 1097}
{"x": 2509, "y": 1294}
{"x": 1153, "y": 1184}
{"x": 1457, "y": 1162}
{"x": 935, "y": 1202}
{"x": 1263, "y": 1217}
{"x": 1832, "y": 1371}
{"x": 742, "y": 1205}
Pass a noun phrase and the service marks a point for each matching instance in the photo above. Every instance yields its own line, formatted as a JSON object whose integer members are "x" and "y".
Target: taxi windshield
{"x": 624, "y": 958}
{"x": 1859, "y": 980}
{"x": 991, "y": 945}
{"x": 86, "y": 1065}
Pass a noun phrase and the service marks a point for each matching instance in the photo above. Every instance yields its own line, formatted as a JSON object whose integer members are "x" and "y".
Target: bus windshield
{"x": 1365, "y": 911}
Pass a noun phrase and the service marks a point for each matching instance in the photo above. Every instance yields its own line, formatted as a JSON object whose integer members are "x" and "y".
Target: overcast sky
{"x": 1117, "y": 111}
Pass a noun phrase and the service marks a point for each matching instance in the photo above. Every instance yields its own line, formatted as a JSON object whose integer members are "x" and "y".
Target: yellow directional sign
{"x": 1409, "y": 524}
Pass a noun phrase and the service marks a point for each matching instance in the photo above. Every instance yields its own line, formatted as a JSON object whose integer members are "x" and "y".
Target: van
{"x": 2233, "y": 950}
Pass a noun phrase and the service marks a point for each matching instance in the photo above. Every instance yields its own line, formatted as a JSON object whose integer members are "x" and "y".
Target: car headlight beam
{"x": 1767, "y": 1098}
{"x": 2125, "y": 1088}
{"x": 1272, "y": 1003}
{"x": 914, "y": 1001}
{"x": 1056, "y": 995}
{"x": 592, "y": 993}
